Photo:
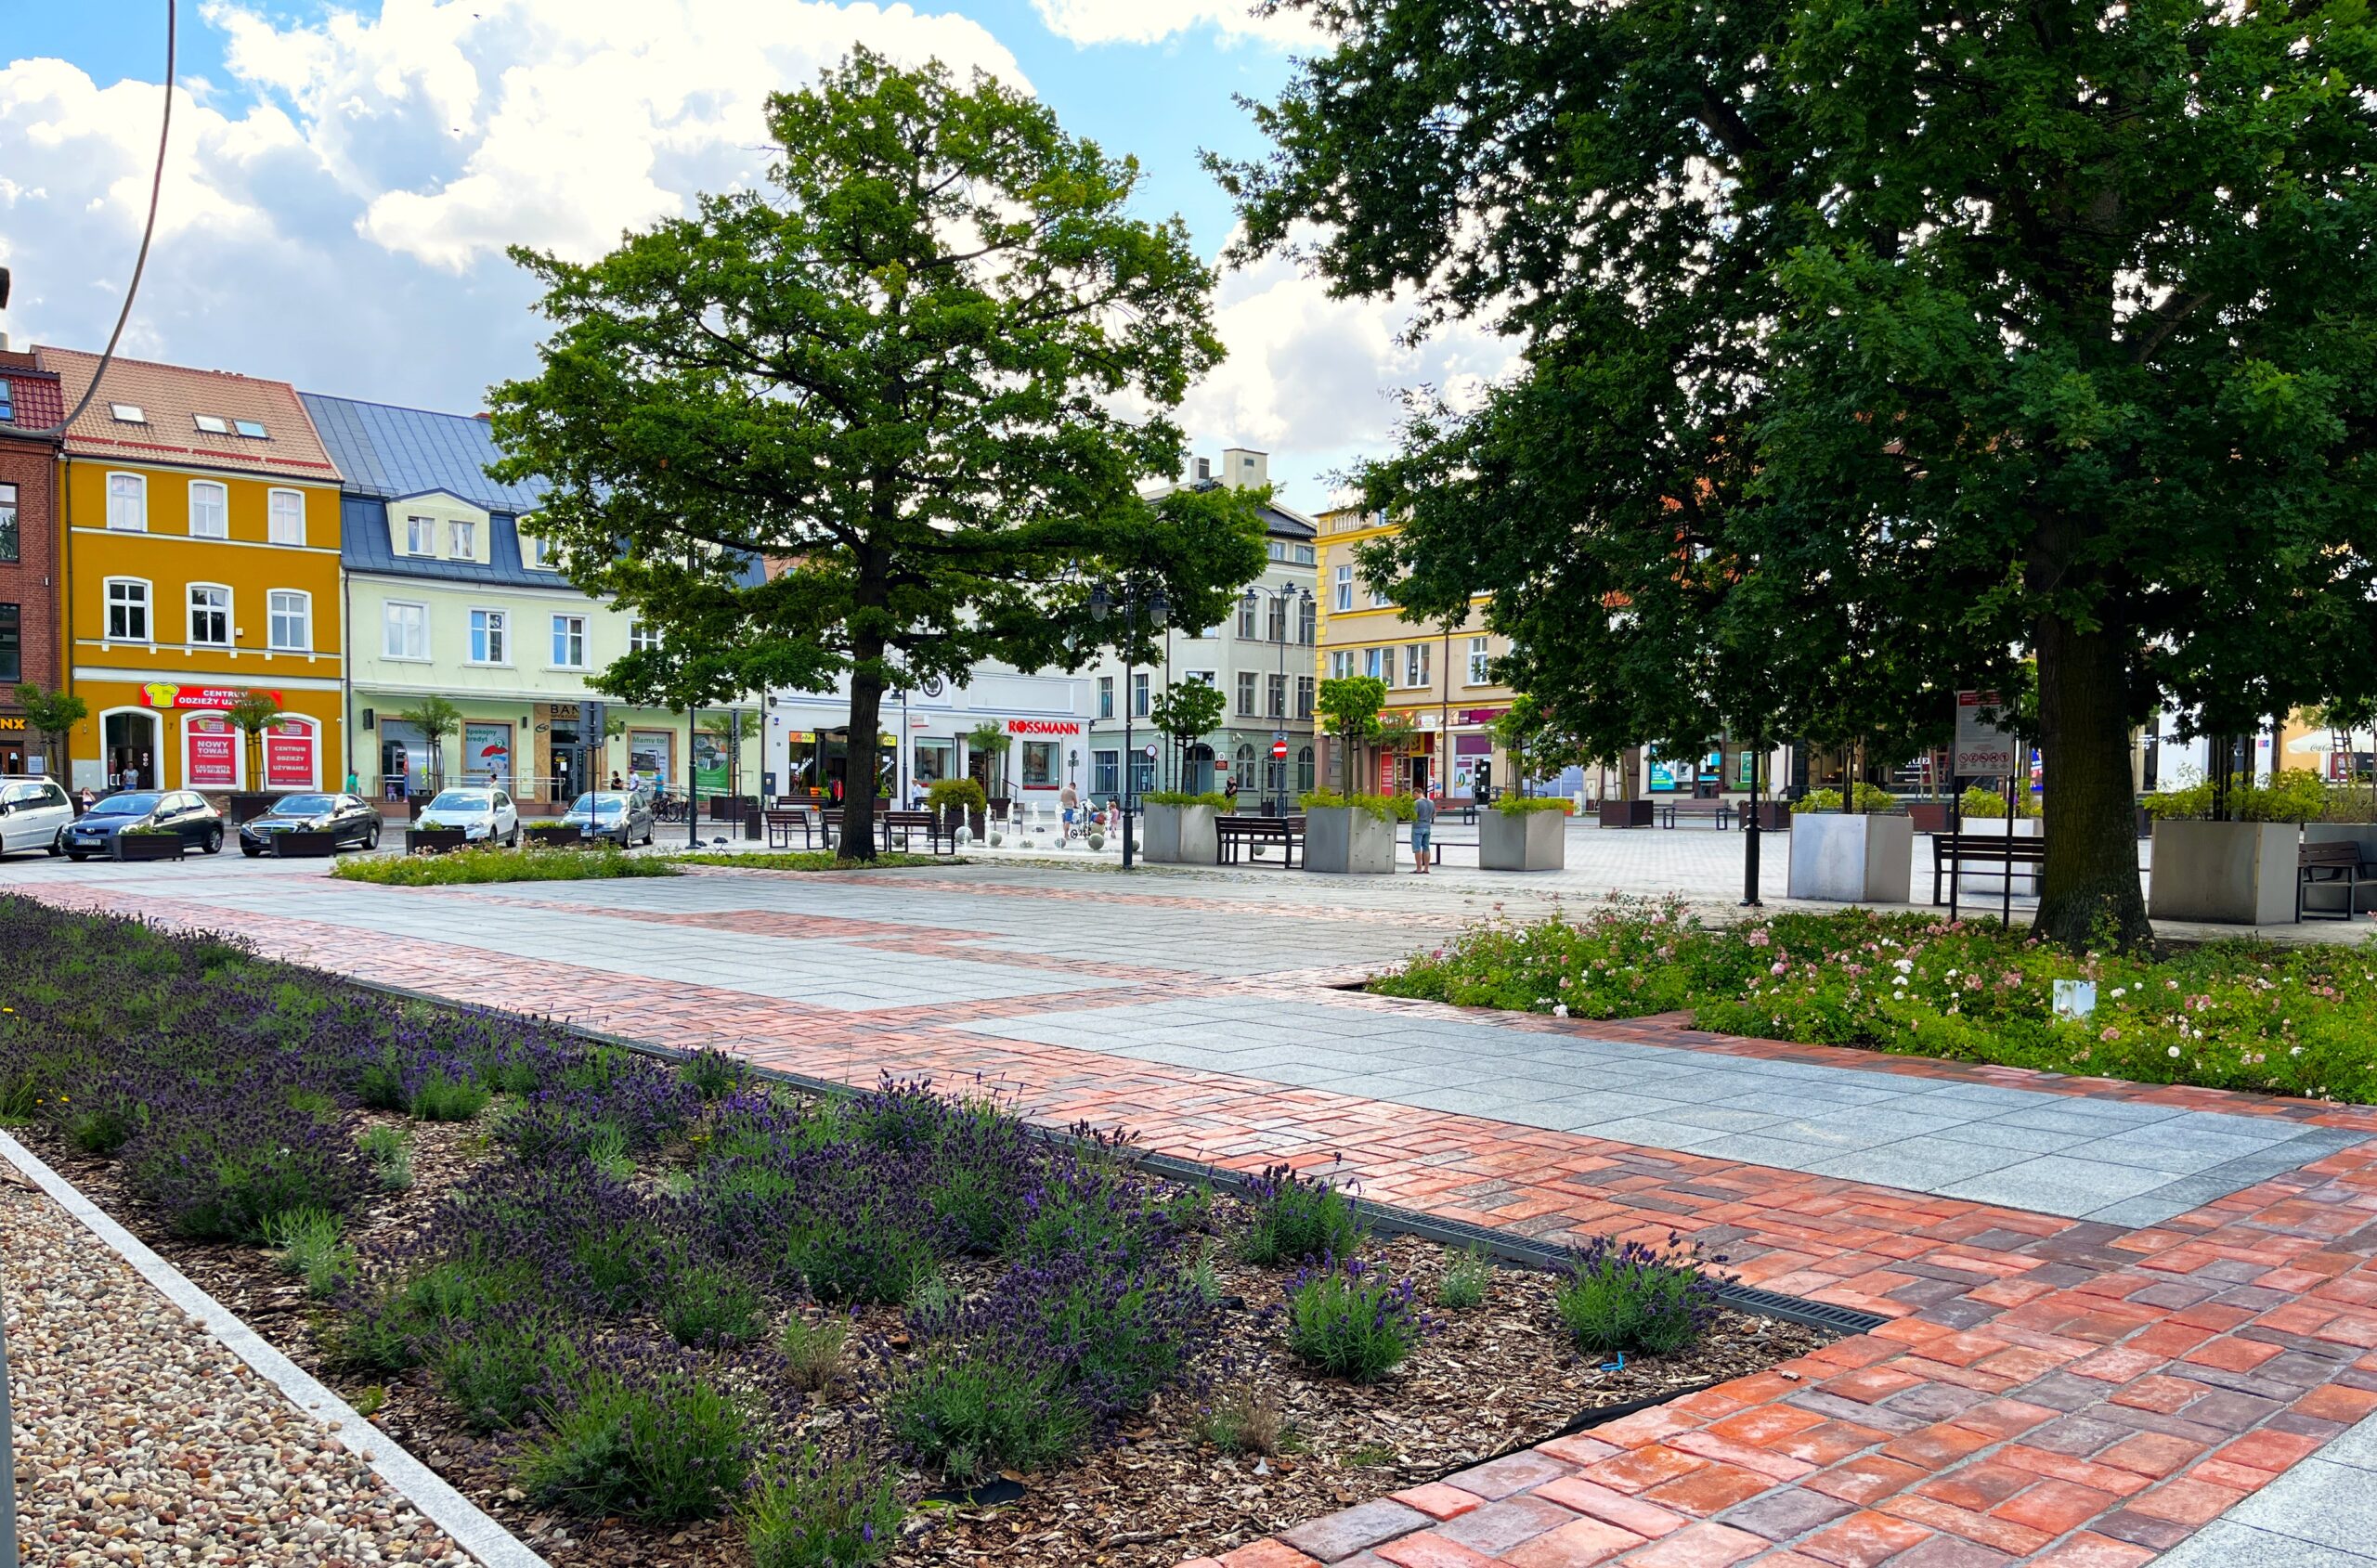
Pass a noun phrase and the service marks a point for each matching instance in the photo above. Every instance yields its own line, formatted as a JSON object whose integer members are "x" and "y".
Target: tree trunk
{"x": 866, "y": 724}
{"x": 2088, "y": 890}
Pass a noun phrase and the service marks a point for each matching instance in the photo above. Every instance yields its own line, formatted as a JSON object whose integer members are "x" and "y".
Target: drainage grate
{"x": 1521, "y": 1250}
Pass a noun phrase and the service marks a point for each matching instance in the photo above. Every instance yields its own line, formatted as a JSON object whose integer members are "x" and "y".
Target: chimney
{"x": 1202, "y": 471}
{"x": 1244, "y": 469}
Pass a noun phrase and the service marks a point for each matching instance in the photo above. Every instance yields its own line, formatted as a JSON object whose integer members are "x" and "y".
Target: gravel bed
{"x": 140, "y": 1438}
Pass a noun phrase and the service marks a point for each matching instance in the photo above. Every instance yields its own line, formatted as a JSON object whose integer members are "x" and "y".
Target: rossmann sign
{"x": 1044, "y": 727}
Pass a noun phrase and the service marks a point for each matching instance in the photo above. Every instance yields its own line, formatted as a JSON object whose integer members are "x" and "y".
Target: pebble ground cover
{"x": 2230, "y": 1014}
{"x": 663, "y": 1314}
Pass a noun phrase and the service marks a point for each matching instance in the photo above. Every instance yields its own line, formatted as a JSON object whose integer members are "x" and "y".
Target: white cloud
{"x": 1152, "y": 22}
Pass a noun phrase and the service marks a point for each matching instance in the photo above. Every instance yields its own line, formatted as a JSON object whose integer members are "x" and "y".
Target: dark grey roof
{"x": 387, "y": 451}
{"x": 365, "y": 545}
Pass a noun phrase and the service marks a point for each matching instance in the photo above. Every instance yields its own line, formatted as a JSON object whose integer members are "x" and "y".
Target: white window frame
{"x": 425, "y": 542}
{"x": 1340, "y": 663}
{"x": 139, "y": 523}
{"x": 461, "y": 538}
{"x": 1248, "y": 693}
{"x": 1480, "y": 656}
{"x": 230, "y": 619}
{"x": 559, "y": 622}
{"x": 1378, "y": 663}
{"x": 493, "y": 633}
{"x": 223, "y": 514}
{"x": 1306, "y": 689}
{"x": 239, "y": 754}
{"x": 1343, "y": 587}
{"x": 1142, "y": 693}
{"x": 1381, "y": 599}
{"x": 147, "y": 610}
{"x": 1415, "y": 664}
{"x": 643, "y": 637}
{"x": 391, "y": 646}
{"x": 535, "y": 553}
{"x": 319, "y": 761}
{"x": 274, "y": 533}
{"x": 1207, "y": 676}
{"x": 1275, "y": 695}
{"x": 1105, "y": 697}
{"x": 272, "y": 615}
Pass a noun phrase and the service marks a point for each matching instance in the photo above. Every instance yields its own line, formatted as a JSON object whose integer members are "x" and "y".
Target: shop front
{"x": 166, "y": 734}
{"x": 22, "y": 750}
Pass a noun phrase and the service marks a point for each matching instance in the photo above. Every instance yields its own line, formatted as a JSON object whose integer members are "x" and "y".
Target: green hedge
{"x": 1520, "y": 805}
{"x": 1218, "y": 801}
{"x": 530, "y": 862}
{"x": 1385, "y": 808}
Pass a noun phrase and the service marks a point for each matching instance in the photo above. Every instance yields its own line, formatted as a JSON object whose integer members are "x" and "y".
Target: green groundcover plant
{"x": 2230, "y": 1014}
{"x": 529, "y": 862}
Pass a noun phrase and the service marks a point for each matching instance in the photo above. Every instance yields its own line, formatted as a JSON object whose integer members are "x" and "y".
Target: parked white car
{"x": 481, "y": 813}
{"x": 33, "y": 813}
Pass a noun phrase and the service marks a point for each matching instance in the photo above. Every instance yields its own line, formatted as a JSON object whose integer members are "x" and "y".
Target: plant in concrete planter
{"x": 1351, "y": 834}
{"x": 1523, "y": 833}
{"x": 1180, "y": 827}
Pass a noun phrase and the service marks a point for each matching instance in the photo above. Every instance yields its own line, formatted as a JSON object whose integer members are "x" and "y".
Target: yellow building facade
{"x": 201, "y": 517}
{"x": 1438, "y": 693}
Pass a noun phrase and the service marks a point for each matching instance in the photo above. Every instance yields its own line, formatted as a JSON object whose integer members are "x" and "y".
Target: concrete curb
{"x": 471, "y": 1529}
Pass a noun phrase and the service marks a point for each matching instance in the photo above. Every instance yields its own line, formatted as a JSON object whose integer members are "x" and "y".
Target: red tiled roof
{"x": 34, "y": 397}
{"x": 170, "y": 395}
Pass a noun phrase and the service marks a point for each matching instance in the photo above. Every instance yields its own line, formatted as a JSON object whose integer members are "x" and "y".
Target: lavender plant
{"x": 821, "y": 1507}
{"x": 1350, "y": 1321}
{"x": 641, "y": 1432}
{"x": 1297, "y": 1217}
{"x": 1628, "y": 1296}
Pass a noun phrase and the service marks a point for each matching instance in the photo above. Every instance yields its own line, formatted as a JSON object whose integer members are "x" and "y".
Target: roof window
{"x": 7, "y": 400}
{"x": 252, "y": 429}
{"x": 128, "y": 413}
{"x": 213, "y": 424}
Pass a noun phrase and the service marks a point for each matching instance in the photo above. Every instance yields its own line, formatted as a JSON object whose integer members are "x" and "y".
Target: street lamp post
{"x": 1285, "y": 598}
{"x": 1144, "y": 610}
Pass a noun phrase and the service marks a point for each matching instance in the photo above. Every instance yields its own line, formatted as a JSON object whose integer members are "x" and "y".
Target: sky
{"x": 344, "y": 179}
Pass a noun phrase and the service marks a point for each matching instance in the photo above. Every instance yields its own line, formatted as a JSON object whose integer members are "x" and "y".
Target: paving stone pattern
{"x": 2085, "y": 1388}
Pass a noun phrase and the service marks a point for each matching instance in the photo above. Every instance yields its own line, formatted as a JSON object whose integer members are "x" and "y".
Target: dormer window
{"x": 7, "y": 402}
{"x": 211, "y": 424}
{"x": 421, "y": 536}
{"x": 128, "y": 413}
{"x": 463, "y": 540}
{"x": 535, "y": 553}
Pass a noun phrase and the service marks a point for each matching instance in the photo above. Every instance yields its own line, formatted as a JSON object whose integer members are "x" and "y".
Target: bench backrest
{"x": 1988, "y": 844}
{"x": 2335, "y": 852}
{"x": 908, "y": 819}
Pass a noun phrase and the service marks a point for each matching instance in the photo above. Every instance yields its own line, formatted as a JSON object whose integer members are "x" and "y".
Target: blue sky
{"x": 343, "y": 178}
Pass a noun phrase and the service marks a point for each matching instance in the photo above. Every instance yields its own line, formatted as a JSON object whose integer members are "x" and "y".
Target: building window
{"x": 1105, "y": 772}
{"x": 211, "y": 424}
{"x": 1342, "y": 594}
{"x": 285, "y": 517}
{"x": 1341, "y": 664}
{"x": 1202, "y": 677}
{"x": 1304, "y": 770}
{"x": 1381, "y": 599}
{"x": 252, "y": 429}
{"x": 210, "y": 615}
{"x": 127, "y": 501}
{"x": 1415, "y": 664}
{"x": 421, "y": 536}
{"x": 1138, "y": 693}
{"x": 288, "y": 620}
{"x": 1308, "y": 620}
{"x": 1142, "y": 772}
{"x": 1305, "y": 556}
{"x": 12, "y": 648}
{"x": 210, "y": 511}
{"x": 569, "y": 642}
{"x": 1378, "y": 665}
{"x": 1105, "y": 697}
{"x": 1039, "y": 764}
{"x": 127, "y": 610}
{"x": 1479, "y": 674}
{"x": 642, "y": 637}
{"x": 536, "y": 553}
{"x": 1245, "y": 766}
{"x": 1277, "y": 621}
{"x": 1246, "y": 617}
{"x": 461, "y": 540}
{"x": 491, "y": 637}
{"x": 1304, "y": 696}
{"x": 128, "y": 413}
{"x": 7, "y": 523}
{"x": 1279, "y": 694}
{"x": 404, "y": 629}
{"x": 7, "y": 401}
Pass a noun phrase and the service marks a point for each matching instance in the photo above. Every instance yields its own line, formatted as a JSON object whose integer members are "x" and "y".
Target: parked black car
{"x": 199, "y": 825}
{"x": 625, "y": 816}
{"x": 350, "y": 819}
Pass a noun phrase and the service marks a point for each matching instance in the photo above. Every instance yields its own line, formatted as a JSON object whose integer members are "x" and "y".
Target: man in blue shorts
{"x": 1423, "y": 823}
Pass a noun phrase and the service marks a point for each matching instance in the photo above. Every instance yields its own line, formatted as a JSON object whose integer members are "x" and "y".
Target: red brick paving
{"x": 2061, "y": 1393}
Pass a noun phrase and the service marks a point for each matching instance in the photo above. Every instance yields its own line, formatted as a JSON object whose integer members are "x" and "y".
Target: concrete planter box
{"x": 1346, "y": 839}
{"x": 1179, "y": 835}
{"x": 247, "y": 805}
{"x": 1626, "y": 813}
{"x": 299, "y": 846}
{"x": 1852, "y": 859}
{"x": 1522, "y": 841}
{"x": 2362, "y": 833}
{"x": 2225, "y": 874}
{"x": 145, "y": 846}
{"x": 435, "y": 840}
{"x": 555, "y": 836}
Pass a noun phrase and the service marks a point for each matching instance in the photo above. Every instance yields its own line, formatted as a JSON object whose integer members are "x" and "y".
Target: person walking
{"x": 1423, "y": 823}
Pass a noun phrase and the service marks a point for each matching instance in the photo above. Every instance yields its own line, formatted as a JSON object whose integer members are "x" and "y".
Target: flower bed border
{"x": 468, "y": 1526}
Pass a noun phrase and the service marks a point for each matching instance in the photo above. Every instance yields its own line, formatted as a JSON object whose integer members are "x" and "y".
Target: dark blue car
{"x": 199, "y": 825}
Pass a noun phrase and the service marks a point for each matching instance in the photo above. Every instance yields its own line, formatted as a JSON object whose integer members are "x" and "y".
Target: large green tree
{"x": 1872, "y": 342}
{"x": 920, "y": 375}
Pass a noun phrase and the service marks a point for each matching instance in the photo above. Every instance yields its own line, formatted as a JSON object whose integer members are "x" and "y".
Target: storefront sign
{"x": 1982, "y": 749}
{"x": 164, "y": 695}
{"x": 1482, "y": 715}
{"x": 289, "y": 752}
{"x": 214, "y": 754}
{"x": 486, "y": 753}
{"x": 12, "y": 723}
{"x": 1042, "y": 727}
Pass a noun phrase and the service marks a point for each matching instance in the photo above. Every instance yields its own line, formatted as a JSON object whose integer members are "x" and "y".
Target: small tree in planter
{"x": 252, "y": 716}
{"x": 989, "y": 741}
{"x": 1183, "y": 714}
{"x": 1349, "y": 707}
{"x": 52, "y": 715}
{"x": 947, "y": 797}
{"x": 436, "y": 718}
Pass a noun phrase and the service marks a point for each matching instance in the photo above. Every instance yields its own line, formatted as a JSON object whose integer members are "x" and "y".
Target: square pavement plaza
{"x": 2119, "y": 1321}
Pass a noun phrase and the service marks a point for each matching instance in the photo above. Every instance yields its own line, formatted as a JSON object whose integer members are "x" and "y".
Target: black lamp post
{"x": 1286, "y": 599}
{"x": 1143, "y": 610}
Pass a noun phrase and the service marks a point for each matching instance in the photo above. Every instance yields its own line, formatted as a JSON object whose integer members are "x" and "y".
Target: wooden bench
{"x": 1984, "y": 849}
{"x": 781, "y": 820}
{"x": 905, "y": 823}
{"x": 1236, "y": 834}
{"x": 2336, "y": 864}
{"x": 1719, "y": 812}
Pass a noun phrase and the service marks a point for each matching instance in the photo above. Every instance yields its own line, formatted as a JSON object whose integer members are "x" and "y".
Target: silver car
{"x": 624, "y": 815}
{"x": 34, "y": 813}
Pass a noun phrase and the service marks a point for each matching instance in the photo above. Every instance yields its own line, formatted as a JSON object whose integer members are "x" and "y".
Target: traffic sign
{"x": 1150, "y": 751}
{"x": 1982, "y": 749}
{"x": 1278, "y": 749}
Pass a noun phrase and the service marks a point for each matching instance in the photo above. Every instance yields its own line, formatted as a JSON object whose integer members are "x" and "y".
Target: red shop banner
{"x": 289, "y": 756}
{"x": 214, "y": 754}
{"x": 164, "y": 695}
